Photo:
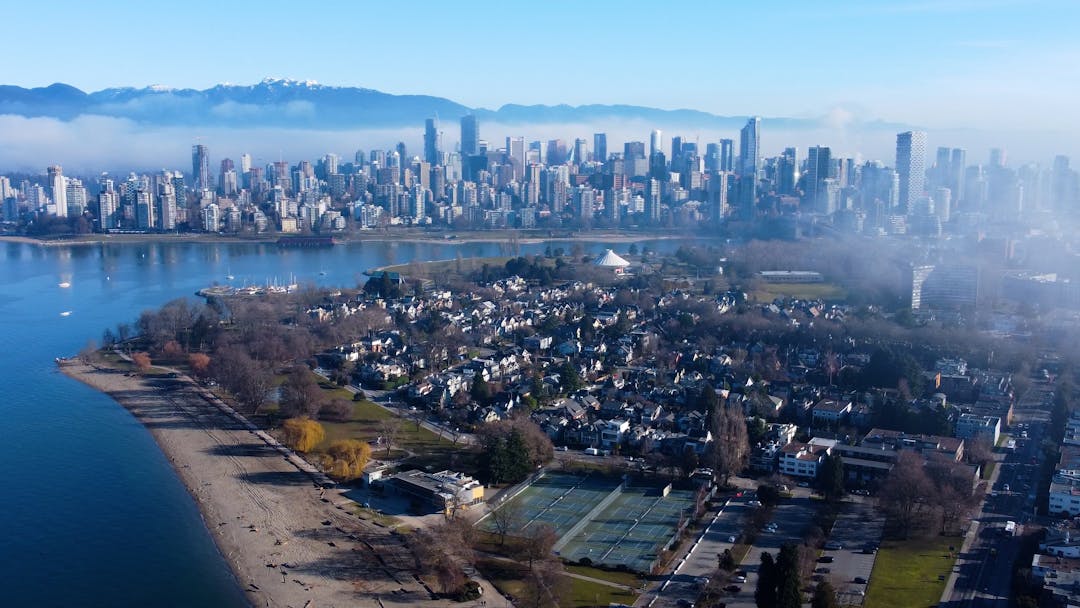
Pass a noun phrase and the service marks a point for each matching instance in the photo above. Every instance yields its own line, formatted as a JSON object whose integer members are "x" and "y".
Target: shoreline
{"x": 287, "y": 541}
{"x": 351, "y": 239}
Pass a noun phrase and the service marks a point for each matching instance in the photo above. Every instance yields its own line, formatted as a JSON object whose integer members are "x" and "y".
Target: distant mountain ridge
{"x": 302, "y": 104}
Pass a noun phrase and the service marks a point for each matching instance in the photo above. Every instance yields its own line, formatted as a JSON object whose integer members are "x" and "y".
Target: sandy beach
{"x": 289, "y": 543}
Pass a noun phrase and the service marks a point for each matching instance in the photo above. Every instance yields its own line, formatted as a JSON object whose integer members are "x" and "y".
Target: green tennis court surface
{"x": 629, "y": 530}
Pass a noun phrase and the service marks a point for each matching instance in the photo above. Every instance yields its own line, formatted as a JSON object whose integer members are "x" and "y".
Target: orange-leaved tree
{"x": 141, "y": 361}
{"x": 348, "y": 457}
{"x": 301, "y": 434}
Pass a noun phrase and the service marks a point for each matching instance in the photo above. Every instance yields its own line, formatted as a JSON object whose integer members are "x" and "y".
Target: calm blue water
{"x": 91, "y": 513}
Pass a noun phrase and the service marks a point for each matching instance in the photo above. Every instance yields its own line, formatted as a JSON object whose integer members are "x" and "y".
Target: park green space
{"x": 911, "y": 573}
{"x": 767, "y": 292}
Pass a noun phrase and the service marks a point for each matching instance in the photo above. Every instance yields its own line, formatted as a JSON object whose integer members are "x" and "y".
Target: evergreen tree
{"x": 517, "y": 457}
{"x": 787, "y": 577}
{"x": 831, "y": 478}
{"x": 824, "y": 596}
{"x": 765, "y": 594}
{"x": 480, "y": 391}
{"x": 569, "y": 377}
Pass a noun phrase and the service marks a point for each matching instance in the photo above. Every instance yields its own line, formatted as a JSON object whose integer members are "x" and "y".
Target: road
{"x": 982, "y": 578}
{"x": 702, "y": 560}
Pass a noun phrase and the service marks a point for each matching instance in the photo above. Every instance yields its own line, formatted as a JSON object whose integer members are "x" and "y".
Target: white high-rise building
{"x": 656, "y": 142}
{"x": 943, "y": 204}
{"x": 58, "y": 190}
{"x": 911, "y": 167}
{"x": 211, "y": 218}
{"x": 75, "y": 194}
{"x": 108, "y": 210}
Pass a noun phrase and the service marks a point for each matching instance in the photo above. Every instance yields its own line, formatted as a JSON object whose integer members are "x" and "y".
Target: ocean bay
{"x": 94, "y": 513}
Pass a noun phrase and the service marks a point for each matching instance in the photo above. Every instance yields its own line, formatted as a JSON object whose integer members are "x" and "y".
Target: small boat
{"x": 63, "y": 285}
{"x": 65, "y": 313}
{"x": 322, "y": 273}
{"x": 229, "y": 277}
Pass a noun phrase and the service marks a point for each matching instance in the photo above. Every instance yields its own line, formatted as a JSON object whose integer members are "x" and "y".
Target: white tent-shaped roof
{"x": 610, "y": 259}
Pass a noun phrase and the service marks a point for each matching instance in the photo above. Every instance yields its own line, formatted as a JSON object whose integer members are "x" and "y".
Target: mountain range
{"x": 308, "y": 105}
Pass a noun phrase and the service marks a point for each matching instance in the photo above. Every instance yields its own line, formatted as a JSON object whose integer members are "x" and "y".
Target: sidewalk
{"x": 970, "y": 537}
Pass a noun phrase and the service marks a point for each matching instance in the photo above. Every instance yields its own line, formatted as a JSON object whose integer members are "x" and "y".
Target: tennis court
{"x": 559, "y": 500}
{"x": 632, "y": 529}
{"x": 595, "y": 519}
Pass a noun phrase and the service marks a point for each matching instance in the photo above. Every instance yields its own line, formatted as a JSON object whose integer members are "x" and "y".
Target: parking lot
{"x": 858, "y": 527}
{"x": 686, "y": 582}
{"x": 792, "y": 518}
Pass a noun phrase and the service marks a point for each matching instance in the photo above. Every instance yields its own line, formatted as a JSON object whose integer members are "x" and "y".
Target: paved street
{"x": 982, "y": 578}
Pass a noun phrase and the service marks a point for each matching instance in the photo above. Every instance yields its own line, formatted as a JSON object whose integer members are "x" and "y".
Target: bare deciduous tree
{"x": 506, "y": 518}
{"x": 389, "y": 429}
{"x": 730, "y": 445}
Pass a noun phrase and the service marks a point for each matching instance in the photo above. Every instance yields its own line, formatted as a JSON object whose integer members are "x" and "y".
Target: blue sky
{"x": 976, "y": 63}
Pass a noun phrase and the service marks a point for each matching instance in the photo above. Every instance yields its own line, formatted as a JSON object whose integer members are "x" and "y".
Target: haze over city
{"x": 973, "y": 74}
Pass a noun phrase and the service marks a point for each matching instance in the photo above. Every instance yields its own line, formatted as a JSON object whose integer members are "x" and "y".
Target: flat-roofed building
{"x": 791, "y": 276}
{"x": 974, "y": 426}
{"x": 444, "y": 492}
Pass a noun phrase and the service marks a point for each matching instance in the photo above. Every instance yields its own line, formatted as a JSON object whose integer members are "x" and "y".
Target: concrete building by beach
{"x": 443, "y": 492}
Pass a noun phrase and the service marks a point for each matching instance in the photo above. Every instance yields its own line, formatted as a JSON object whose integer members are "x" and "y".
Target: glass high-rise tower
{"x": 200, "y": 167}
{"x": 470, "y": 135}
{"x": 749, "y": 163}
{"x": 911, "y": 167}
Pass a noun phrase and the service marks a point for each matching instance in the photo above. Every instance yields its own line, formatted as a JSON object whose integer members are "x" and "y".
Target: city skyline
{"x": 953, "y": 63}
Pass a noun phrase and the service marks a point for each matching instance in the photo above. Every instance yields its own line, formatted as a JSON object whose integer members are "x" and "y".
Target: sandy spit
{"x": 289, "y": 542}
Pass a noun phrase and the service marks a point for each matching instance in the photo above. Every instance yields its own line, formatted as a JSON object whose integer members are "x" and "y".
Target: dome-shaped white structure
{"x": 610, "y": 259}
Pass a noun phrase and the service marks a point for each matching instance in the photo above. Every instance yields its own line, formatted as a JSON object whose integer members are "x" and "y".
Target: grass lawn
{"x": 911, "y": 573}
{"x": 622, "y": 578}
{"x": 767, "y": 292}
{"x": 587, "y": 594}
{"x": 506, "y": 576}
{"x": 429, "y": 450}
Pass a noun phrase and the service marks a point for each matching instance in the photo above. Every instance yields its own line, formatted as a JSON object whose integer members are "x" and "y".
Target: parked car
{"x": 832, "y": 545}
{"x": 859, "y": 580}
{"x": 826, "y": 559}
{"x": 733, "y": 588}
{"x": 739, "y": 579}
{"x": 823, "y": 570}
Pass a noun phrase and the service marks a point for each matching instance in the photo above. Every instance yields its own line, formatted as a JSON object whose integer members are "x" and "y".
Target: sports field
{"x": 559, "y": 500}
{"x": 595, "y": 519}
{"x": 631, "y": 530}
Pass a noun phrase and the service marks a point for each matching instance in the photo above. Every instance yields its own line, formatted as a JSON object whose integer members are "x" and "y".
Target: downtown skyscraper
{"x": 470, "y": 135}
{"x": 200, "y": 167}
{"x": 749, "y": 165}
{"x": 911, "y": 167}
{"x": 600, "y": 147}
{"x": 432, "y": 145}
{"x": 58, "y": 190}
